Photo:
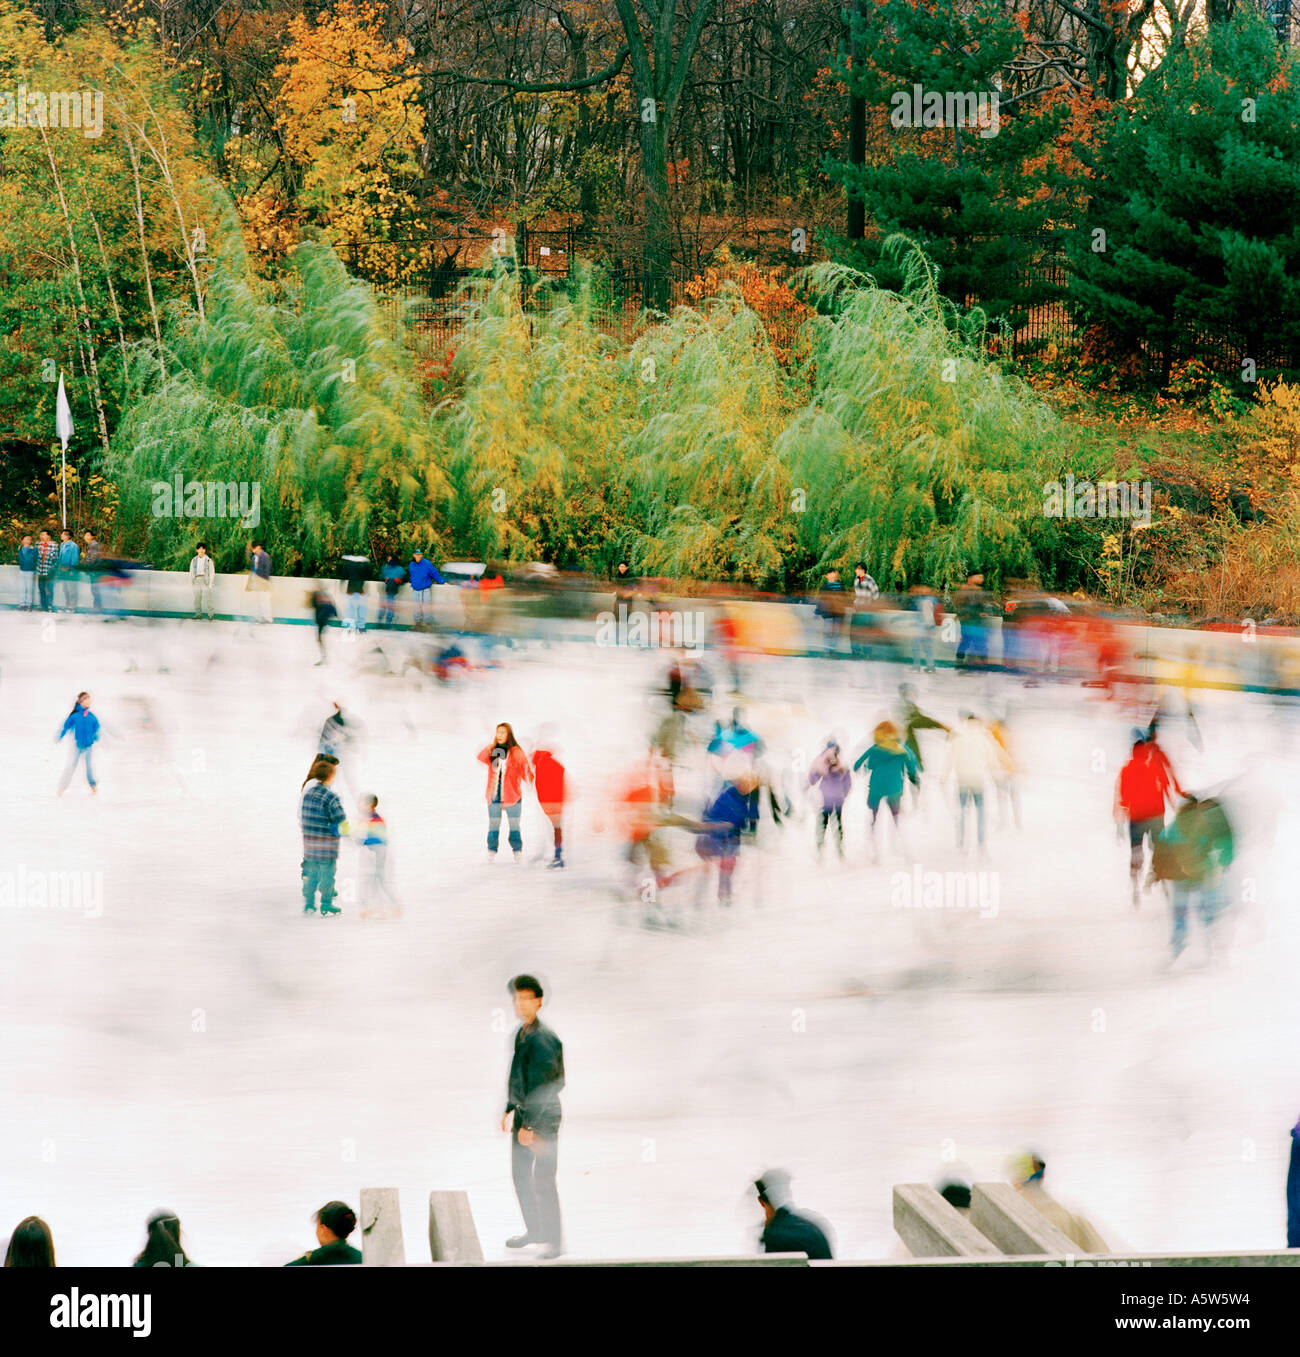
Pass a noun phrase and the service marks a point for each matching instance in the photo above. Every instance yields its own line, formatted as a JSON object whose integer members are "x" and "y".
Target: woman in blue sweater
{"x": 84, "y": 725}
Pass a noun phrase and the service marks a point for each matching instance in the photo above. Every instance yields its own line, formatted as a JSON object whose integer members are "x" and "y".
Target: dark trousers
{"x": 45, "y": 583}
{"x": 533, "y": 1168}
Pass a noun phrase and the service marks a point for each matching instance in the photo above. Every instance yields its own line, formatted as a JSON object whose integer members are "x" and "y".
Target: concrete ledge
{"x": 452, "y": 1236}
{"x": 931, "y": 1228}
{"x": 381, "y": 1228}
{"x": 1002, "y": 1215}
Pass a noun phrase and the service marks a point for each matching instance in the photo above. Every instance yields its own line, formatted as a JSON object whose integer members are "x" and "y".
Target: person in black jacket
{"x": 533, "y": 1116}
{"x": 334, "y": 1222}
{"x": 788, "y": 1230}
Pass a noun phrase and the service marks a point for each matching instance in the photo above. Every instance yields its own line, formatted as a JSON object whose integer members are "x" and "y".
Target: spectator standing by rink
{"x": 354, "y": 571}
{"x": 533, "y": 1115}
{"x": 91, "y": 555}
{"x": 69, "y": 558}
{"x": 84, "y": 726}
{"x": 26, "y": 575}
{"x": 423, "y": 575}
{"x": 925, "y": 624}
{"x": 334, "y": 1222}
{"x": 323, "y": 823}
{"x": 47, "y": 564}
{"x": 30, "y": 1245}
{"x": 833, "y": 780}
{"x": 203, "y": 575}
{"x": 508, "y": 770}
{"x": 259, "y": 582}
{"x": 865, "y": 590}
{"x": 549, "y": 784}
{"x": 394, "y": 574}
{"x": 787, "y": 1230}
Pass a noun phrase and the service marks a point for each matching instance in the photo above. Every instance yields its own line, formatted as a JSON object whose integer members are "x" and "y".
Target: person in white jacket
{"x": 203, "y": 575}
{"x": 973, "y": 758}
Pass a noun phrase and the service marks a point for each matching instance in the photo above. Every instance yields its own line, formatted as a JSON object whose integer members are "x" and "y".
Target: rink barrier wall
{"x": 381, "y": 1228}
{"x": 1228, "y": 659}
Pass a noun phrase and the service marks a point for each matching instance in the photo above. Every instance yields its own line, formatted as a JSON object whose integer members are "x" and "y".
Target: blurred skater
{"x": 323, "y": 613}
{"x": 719, "y": 831}
{"x": 910, "y": 719}
{"x": 377, "y": 900}
{"x": 786, "y": 1229}
{"x": 394, "y": 574}
{"x": 833, "y": 780}
{"x": 973, "y": 759}
{"x": 549, "y": 784}
{"x": 887, "y": 761}
{"x": 84, "y": 727}
{"x": 1192, "y": 854}
{"x": 1144, "y": 788}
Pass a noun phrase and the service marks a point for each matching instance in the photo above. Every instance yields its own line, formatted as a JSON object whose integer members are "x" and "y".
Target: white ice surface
{"x": 202, "y": 1046}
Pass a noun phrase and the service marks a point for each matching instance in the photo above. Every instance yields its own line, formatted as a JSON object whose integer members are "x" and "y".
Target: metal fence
{"x": 428, "y": 284}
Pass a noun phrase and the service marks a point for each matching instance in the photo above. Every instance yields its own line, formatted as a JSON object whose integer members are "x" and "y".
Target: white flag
{"x": 63, "y": 416}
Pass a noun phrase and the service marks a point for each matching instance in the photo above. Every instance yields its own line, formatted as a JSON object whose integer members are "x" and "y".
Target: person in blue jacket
{"x": 69, "y": 559}
{"x": 720, "y": 829}
{"x": 737, "y": 738}
{"x": 27, "y": 576}
{"x": 423, "y": 575}
{"x": 84, "y": 725}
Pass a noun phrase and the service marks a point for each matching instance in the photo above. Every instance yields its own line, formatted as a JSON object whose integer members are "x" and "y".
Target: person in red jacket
{"x": 508, "y": 770}
{"x": 1146, "y": 785}
{"x": 548, "y": 782}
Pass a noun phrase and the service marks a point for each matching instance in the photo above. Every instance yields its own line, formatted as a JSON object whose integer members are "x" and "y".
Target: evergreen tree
{"x": 974, "y": 195}
{"x": 1192, "y": 237}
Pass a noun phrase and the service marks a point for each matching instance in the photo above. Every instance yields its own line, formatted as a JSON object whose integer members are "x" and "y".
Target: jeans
{"x": 494, "y": 825}
{"x": 27, "y": 589}
{"x": 967, "y": 796}
{"x": 45, "y": 583}
{"x": 923, "y": 646}
{"x": 203, "y": 600}
{"x": 69, "y": 590}
{"x": 318, "y": 876}
{"x": 356, "y": 607}
{"x": 1205, "y": 897}
{"x": 533, "y": 1169}
{"x": 423, "y": 601}
{"x": 77, "y": 756}
{"x": 828, "y": 814}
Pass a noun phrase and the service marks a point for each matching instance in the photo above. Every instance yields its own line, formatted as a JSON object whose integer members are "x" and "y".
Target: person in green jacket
{"x": 887, "y": 762}
{"x": 1192, "y": 854}
{"x": 334, "y": 1222}
{"x": 911, "y": 718}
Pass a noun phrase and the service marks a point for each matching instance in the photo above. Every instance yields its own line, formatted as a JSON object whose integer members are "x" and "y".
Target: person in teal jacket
{"x": 888, "y": 761}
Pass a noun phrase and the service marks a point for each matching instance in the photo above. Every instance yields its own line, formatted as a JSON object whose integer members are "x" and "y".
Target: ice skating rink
{"x": 196, "y": 1043}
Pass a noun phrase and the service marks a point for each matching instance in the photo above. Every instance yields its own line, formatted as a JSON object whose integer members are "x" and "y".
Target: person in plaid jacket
{"x": 323, "y": 822}
{"x": 47, "y": 559}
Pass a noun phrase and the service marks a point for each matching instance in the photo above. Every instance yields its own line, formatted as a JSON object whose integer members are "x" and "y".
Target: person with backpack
{"x": 1192, "y": 854}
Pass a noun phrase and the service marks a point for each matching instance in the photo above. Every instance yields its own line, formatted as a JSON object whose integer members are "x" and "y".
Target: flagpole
{"x": 63, "y": 425}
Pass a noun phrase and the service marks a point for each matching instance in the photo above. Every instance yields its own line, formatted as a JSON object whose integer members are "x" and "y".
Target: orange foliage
{"x": 768, "y": 295}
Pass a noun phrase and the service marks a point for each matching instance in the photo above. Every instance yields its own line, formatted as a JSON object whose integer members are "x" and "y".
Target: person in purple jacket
{"x": 833, "y": 779}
